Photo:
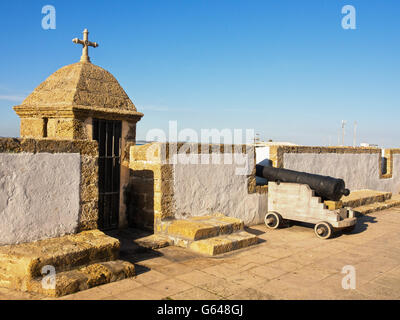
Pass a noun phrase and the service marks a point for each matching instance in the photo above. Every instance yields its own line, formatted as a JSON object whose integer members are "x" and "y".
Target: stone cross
{"x": 86, "y": 43}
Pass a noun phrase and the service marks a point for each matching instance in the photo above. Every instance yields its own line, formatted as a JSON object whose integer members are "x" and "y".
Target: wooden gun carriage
{"x": 291, "y": 197}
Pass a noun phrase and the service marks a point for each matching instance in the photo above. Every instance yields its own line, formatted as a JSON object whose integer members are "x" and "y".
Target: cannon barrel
{"x": 328, "y": 188}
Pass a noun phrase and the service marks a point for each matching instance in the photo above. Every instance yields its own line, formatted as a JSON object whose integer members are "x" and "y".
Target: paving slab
{"x": 290, "y": 264}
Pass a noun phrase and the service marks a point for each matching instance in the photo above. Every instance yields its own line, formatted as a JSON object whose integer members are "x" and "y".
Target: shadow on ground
{"x": 256, "y": 233}
{"x": 131, "y": 251}
{"x": 363, "y": 222}
{"x": 362, "y": 225}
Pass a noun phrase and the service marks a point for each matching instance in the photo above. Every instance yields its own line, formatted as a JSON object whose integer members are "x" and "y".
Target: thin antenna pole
{"x": 355, "y": 134}
{"x": 343, "y": 131}
{"x": 256, "y": 138}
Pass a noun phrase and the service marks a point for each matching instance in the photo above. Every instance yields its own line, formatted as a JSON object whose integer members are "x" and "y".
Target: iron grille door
{"x": 108, "y": 135}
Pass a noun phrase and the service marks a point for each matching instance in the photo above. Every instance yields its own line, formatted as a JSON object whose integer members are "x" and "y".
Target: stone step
{"x": 359, "y": 198}
{"x": 224, "y": 243}
{"x": 23, "y": 262}
{"x": 154, "y": 241}
{"x": 377, "y": 206}
{"x": 203, "y": 227}
{"x": 83, "y": 278}
{"x": 209, "y": 235}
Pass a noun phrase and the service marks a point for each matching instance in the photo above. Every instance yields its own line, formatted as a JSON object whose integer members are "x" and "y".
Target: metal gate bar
{"x": 108, "y": 135}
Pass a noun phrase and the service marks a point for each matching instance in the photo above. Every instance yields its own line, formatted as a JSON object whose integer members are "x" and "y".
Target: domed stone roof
{"x": 79, "y": 87}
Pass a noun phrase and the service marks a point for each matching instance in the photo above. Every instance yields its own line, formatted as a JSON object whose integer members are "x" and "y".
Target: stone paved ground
{"x": 289, "y": 263}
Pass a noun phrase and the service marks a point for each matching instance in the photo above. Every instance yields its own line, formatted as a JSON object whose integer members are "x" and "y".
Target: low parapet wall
{"x": 360, "y": 168}
{"x": 48, "y": 188}
{"x": 183, "y": 180}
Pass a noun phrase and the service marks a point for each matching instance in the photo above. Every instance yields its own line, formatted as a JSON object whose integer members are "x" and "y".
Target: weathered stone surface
{"x": 150, "y": 190}
{"x": 80, "y": 84}
{"x": 212, "y": 234}
{"x": 32, "y": 127}
{"x": 97, "y": 274}
{"x": 88, "y": 219}
{"x": 89, "y": 192}
{"x": 72, "y": 92}
{"x": 60, "y": 107}
{"x": 192, "y": 230}
{"x": 87, "y": 277}
{"x": 11, "y": 145}
{"x": 16, "y": 145}
{"x": 394, "y": 201}
{"x": 154, "y": 241}
{"x": 224, "y": 243}
{"x": 66, "y": 283}
{"x": 20, "y": 263}
{"x": 209, "y": 235}
{"x": 85, "y": 225}
{"x": 146, "y": 152}
{"x": 359, "y": 198}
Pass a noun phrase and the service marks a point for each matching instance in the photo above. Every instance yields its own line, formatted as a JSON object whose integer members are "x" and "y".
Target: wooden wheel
{"x": 323, "y": 230}
{"x": 273, "y": 220}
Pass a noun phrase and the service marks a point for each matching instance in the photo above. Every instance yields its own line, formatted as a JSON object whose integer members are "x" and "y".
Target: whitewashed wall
{"x": 39, "y": 196}
{"x": 262, "y": 155}
{"x": 201, "y": 189}
{"x": 359, "y": 171}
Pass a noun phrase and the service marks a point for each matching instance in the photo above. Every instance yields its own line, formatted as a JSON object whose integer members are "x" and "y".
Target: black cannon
{"x": 328, "y": 188}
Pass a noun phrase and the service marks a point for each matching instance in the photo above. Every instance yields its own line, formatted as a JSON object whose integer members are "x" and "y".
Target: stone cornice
{"x": 77, "y": 111}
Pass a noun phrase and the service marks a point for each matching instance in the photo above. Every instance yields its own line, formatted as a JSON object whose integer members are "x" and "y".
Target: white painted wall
{"x": 201, "y": 189}
{"x": 39, "y": 196}
{"x": 359, "y": 171}
{"x": 262, "y": 155}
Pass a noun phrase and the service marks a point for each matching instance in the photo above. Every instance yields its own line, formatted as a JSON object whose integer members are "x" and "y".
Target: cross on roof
{"x": 86, "y": 44}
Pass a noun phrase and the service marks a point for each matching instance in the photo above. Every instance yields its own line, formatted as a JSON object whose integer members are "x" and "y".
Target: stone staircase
{"x": 209, "y": 235}
{"x": 368, "y": 201}
{"x": 81, "y": 261}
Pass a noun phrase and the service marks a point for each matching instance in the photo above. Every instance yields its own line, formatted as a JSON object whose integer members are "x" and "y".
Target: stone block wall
{"x": 149, "y": 194}
{"x": 32, "y": 127}
{"x": 66, "y": 125}
{"x": 170, "y": 181}
{"x": 48, "y": 188}
{"x": 65, "y": 129}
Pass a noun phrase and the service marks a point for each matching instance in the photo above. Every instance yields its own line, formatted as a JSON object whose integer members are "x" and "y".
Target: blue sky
{"x": 286, "y": 69}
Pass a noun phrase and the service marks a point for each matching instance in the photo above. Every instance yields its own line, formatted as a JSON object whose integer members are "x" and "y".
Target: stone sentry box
{"x": 48, "y": 188}
{"x": 65, "y": 104}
